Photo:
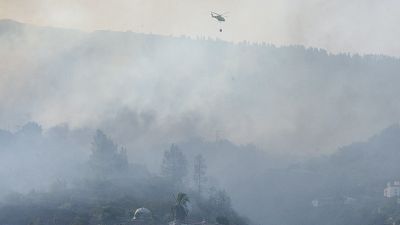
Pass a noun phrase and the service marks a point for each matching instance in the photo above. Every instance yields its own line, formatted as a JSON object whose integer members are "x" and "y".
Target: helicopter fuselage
{"x": 219, "y": 18}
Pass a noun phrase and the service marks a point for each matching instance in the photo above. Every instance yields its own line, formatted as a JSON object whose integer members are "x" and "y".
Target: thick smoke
{"x": 281, "y": 99}
{"x": 209, "y": 96}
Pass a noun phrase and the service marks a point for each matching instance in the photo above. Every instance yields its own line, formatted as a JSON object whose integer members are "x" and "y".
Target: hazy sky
{"x": 364, "y": 26}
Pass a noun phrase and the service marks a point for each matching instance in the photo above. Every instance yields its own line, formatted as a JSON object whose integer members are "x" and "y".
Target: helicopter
{"x": 218, "y": 17}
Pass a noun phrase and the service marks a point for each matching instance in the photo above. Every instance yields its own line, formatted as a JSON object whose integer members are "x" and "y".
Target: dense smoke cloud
{"x": 209, "y": 96}
{"x": 281, "y": 99}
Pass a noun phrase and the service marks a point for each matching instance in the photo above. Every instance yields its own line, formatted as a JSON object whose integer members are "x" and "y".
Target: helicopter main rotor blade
{"x": 216, "y": 14}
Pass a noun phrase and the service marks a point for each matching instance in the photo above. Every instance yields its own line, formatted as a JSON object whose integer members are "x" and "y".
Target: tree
{"x": 220, "y": 203}
{"x": 106, "y": 157}
{"x": 222, "y": 220}
{"x": 174, "y": 165}
{"x": 180, "y": 210}
{"x": 199, "y": 171}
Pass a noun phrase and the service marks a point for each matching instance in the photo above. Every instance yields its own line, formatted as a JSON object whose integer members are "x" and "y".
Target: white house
{"x": 392, "y": 190}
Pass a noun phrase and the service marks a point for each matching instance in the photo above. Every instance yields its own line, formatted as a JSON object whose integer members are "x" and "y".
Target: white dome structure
{"x": 142, "y": 214}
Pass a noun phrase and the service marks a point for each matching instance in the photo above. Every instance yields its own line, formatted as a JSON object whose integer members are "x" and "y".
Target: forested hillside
{"x": 274, "y": 125}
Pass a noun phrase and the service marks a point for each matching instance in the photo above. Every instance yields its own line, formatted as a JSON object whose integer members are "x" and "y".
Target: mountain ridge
{"x": 10, "y": 23}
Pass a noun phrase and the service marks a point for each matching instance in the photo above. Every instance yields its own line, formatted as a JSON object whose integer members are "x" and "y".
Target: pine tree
{"x": 106, "y": 157}
{"x": 199, "y": 171}
{"x": 174, "y": 165}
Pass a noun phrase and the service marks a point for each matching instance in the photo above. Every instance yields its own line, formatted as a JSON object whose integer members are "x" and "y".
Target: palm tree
{"x": 180, "y": 209}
